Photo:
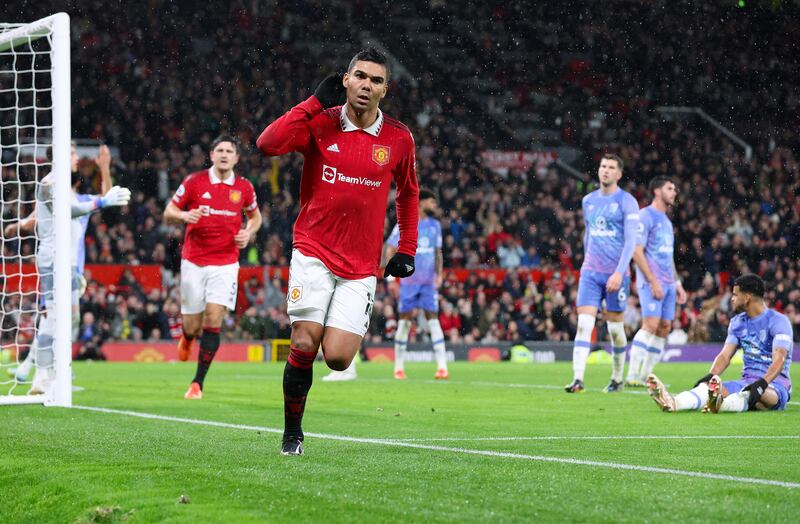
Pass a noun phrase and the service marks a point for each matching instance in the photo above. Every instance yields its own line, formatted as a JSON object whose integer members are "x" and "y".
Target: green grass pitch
{"x": 73, "y": 465}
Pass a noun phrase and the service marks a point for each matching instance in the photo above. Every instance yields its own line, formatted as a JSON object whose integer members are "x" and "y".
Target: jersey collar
{"x": 212, "y": 176}
{"x": 348, "y": 126}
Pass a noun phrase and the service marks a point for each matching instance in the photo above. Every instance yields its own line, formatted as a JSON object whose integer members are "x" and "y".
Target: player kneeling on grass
{"x": 765, "y": 337}
{"x": 210, "y": 203}
{"x": 352, "y": 153}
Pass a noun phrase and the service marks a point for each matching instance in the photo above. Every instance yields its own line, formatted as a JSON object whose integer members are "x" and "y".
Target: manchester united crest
{"x": 235, "y": 196}
{"x": 380, "y": 154}
{"x": 295, "y": 293}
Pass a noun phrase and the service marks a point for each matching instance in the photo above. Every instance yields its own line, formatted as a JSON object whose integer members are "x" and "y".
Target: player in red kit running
{"x": 352, "y": 153}
{"x": 211, "y": 203}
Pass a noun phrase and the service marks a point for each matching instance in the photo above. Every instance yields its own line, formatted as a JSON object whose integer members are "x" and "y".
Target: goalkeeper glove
{"x": 400, "y": 265}
{"x": 116, "y": 196}
{"x": 756, "y": 389}
{"x": 703, "y": 380}
{"x": 329, "y": 91}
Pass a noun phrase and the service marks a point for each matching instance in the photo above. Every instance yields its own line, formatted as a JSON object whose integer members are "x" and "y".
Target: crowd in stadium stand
{"x": 161, "y": 97}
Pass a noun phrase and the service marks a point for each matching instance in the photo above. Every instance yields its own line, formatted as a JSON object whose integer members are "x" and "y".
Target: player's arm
{"x": 115, "y": 197}
{"x": 291, "y": 132}
{"x": 723, "y": 359}
{"x": 681, "y": 296}
{"x": 175, "y": 215}
{"x": 25, "y": 225}
{"x": 640, "y": 259}
{"x": 439, "y": 267}
{"x": 630, "y": 228}
{"x": 244, "y": 236}
{"x": 407, "y": 204}
{"x": 103, "y": 162}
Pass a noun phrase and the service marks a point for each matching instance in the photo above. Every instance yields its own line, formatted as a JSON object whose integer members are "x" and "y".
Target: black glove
{"x": 330, "y": 91}
{"x": 756, "y": 389}
{"x": 400, "y": 266}
{"x": 705, "y": 379}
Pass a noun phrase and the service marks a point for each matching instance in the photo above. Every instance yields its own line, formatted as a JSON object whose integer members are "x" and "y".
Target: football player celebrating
{"x": 352, "y": 154}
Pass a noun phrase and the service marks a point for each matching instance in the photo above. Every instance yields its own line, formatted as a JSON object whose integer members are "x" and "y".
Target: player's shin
{"x": 297, "y": 378}
{"x": 580, "y": 351}
{"x": 641, "y": 341}
{"x": 209, "y": 344}
{"x": 437, "y": 339}
{"x": 400, "y": 344}
{"x": 653, "y": 355}
{"x": 693, "y": 399}
{"x": 619, "y": 341}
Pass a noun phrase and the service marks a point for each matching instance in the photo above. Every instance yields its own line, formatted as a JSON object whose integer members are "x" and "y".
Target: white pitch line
{"x": 595, "y": 437}
{"x": 466, "y": 451}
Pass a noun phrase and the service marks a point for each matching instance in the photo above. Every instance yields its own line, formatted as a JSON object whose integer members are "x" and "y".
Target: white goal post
{"x": 35, "y": 116}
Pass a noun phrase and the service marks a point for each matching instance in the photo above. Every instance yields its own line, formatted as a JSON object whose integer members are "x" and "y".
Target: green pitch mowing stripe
{"x": 486, "y": 453}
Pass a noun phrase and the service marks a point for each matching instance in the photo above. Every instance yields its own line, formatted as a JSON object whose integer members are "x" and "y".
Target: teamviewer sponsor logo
{"x": 328, "y": 174}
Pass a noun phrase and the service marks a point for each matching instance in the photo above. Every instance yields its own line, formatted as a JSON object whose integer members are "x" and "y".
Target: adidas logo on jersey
{"x": 334, "y": 148}
{"x": 207, "y": 195}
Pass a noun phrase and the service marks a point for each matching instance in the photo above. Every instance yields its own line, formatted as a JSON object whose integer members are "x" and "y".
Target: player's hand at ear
{"x": 400, "y": 265}
{"x": 116, "y": 196}
{"x": 242, "y": 238}
{"x": 192, "y": 216}
{"x": 330, "y": 92}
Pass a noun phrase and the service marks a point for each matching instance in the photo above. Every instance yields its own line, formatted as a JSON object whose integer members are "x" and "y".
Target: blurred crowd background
{"x": 161, "y": 82}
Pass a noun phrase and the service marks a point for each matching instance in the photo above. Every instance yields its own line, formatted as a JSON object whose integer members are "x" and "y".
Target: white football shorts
{"x": 317, "y": 295}
{"x": 201, "y": 285}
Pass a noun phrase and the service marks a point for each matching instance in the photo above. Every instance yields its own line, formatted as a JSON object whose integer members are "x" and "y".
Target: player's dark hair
{"x": 425, "y": 194}
{"x": 752, "y": 284}
{"x": 658, "y": 182}
{"x": 616, "y": 158}
{"x": 227, "y": 138}
{"x": 370, "y": 54}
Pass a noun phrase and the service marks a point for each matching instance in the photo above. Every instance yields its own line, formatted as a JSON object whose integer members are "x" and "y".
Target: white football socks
{"x": 653, "y": 355}
{"x": 400, "y": 343}
{"x": 693, "y": 399}
{"x": 583, "y": 345}
{"x": 437, "y": 339}
{"x": 641, "y": 341}
{"x": 736, "y": 402}
{"x": 616, "y": 332}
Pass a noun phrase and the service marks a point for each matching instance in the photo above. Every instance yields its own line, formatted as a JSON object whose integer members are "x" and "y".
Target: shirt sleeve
{"x": 781, "y": 331}
{"x": 630, "y": 209}
{"x": 250, "y": 203}
{"x": 407, "y": 202}
{"x": 438, "y": 235}
{"x": 643, "y": 229}
{"x": 732, "y": 338}
{"x": 291, "y": 131}
{"x": 181, "y": 196}
{"x": 394, "y": 237}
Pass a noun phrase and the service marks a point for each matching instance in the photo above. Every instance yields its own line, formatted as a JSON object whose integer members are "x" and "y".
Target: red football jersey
{"x": 347, "y": 176}
{"x": 210, "y": 242}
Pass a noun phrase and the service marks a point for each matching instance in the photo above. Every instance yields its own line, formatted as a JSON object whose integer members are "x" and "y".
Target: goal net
{"x": 34, "y": 143}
